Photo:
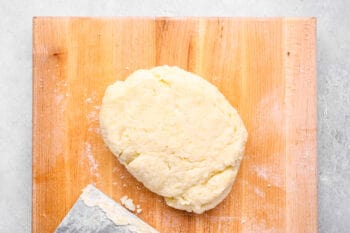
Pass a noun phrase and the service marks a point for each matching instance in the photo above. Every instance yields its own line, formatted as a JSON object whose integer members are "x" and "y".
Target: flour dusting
{"x": 259, "y": 192}
{"x": 89, "y": 100}
{"x": 115, "y": 170}
{"x": 270, "y": 108}
{"x": 261, "y": 227}
{"x": 92, "y": 116}
{"x": 268, "y": 175}
{"x": 270, "y": 112}
{"x": 92, "y": 161}
{"x": 59, "y": 99}
{"x": 95, "y": 130}
{"x": 224, "y": 218}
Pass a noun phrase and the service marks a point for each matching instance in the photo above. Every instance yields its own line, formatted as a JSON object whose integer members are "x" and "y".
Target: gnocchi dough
{"x": 176, "y": 133}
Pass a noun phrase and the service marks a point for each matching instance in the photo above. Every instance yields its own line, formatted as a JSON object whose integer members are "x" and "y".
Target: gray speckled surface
{"x": 333, "y": 90}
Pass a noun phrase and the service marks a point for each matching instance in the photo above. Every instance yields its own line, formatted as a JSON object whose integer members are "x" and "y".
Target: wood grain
{"x": 264, "y": 67}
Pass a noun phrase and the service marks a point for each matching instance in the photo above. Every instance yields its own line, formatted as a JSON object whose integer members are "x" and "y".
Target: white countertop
{"x": 333, "y": 90}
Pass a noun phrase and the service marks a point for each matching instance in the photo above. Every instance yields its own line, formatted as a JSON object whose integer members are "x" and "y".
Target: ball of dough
{"x": 176, "y": 133}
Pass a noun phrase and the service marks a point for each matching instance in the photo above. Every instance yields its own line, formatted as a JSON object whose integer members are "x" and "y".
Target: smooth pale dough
{"x": 176, "y": 133}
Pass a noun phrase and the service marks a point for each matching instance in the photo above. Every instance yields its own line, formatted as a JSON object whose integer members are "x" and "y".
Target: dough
{"x": 176, "y": 133}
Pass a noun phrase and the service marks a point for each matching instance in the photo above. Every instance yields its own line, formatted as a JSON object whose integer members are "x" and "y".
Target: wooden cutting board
{"x": 264, "y": 66}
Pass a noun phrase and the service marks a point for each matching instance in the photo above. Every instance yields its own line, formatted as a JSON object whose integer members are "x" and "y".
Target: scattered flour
{"x": 224, "y": 218}
{"x": 115, "y": 170}
{"x": 92, "y": 161}
{"x": 89, "y": 100}
{"x": 59, "y": 99}
{"x": 270, "y": 109}
{"x": 261, "y": 227}
{"x": 92, "y": 116}
{"x": 268, "y": 175}
{"x": 95, "y": 130}
{"x": 259, "y": 192}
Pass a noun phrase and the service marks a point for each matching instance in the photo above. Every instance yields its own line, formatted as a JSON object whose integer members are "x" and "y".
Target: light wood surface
{"x": 264, "y": 67}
